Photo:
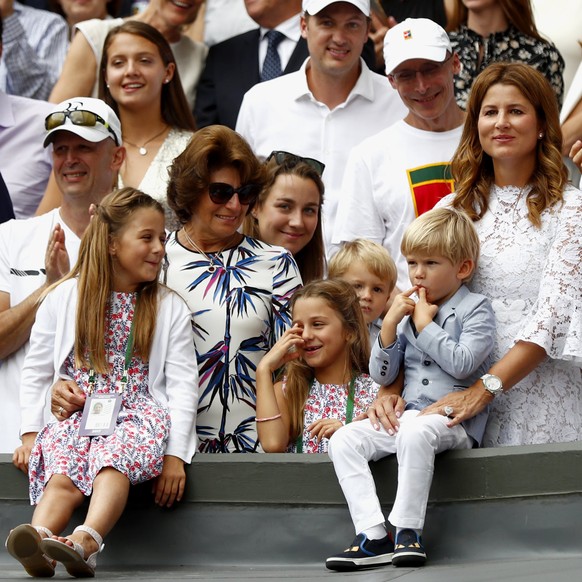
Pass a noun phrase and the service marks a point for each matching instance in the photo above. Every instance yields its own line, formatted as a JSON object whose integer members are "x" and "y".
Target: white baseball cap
{"x": 89, "y": 118}
{"x": 314, "y": 6}
{"x": 415, "y": 38}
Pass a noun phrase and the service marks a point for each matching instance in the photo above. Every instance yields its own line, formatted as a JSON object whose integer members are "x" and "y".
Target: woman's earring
{"x": 166, "y": 81}
{"x": 540, "y": 135}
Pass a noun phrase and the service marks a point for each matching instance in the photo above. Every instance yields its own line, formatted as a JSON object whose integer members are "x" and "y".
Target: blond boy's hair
{"x": 445, "y": 232}
{"x": 372, "y": 255}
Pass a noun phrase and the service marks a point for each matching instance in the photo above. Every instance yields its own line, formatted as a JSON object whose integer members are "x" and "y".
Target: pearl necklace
{"x": 211, "y": 264}
{"x": 142, "y": 149}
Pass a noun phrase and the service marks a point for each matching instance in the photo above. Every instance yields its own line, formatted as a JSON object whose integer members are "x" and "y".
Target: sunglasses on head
{"x": 291, "y": 160}
{"x": 77, "y": 117}
{"x": 221, "y": 193}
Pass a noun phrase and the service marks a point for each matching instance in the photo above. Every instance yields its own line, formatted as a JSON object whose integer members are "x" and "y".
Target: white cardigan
{"x": 173, "y": 371}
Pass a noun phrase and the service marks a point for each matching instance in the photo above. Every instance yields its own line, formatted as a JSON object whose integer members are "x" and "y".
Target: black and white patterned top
{"x": 511, "y": 46}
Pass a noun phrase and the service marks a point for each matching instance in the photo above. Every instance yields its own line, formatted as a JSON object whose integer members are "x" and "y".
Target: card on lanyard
{"x": 100, "y": 414}
{"x": 101, "y": 410}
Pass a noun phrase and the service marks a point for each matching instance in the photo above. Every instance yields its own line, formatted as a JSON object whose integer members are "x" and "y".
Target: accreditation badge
{"x": 100, "y": 414}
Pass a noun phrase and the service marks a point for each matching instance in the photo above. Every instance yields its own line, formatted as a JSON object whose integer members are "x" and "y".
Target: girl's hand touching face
{"x": 288, "y": 348}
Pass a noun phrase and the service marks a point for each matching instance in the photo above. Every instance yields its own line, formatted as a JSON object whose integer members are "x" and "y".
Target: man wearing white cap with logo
{"x": 86, "y": 140}
{"x": 403, "y": 171}
{"x": 331, "y": 104}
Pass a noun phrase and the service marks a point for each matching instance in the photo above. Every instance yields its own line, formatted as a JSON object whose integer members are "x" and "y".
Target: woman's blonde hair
{"x": 472, "y": 168}
{"x": 94, "y": 269}
{"x": 311, "y": 258}
{"x": 517, "y": 12}
{"x": 341, "y": 297}
{"x": 368, "y": 253}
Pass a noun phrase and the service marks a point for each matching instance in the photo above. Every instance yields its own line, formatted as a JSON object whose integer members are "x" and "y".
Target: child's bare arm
{"x": 402, "y": 305}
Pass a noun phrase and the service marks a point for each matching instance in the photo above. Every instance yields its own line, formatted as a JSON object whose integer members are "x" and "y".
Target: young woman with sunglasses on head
{"x": 236, "y": 287}
{"x": 287, "y": 212}
{"x": 492, "y": 31}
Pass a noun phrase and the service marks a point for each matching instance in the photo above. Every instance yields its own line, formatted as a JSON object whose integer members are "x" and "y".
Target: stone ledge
{"x": 286, "y": 479}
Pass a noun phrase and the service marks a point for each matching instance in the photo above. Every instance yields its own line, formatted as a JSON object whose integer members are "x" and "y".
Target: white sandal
{"x": 73, "y": 557}
{"x": 24, "y": 544}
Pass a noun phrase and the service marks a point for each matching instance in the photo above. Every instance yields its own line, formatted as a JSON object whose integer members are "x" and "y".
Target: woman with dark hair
{"x": 287, "y": 212}
{"x": 140, "y": 81}
{"x": 236, "y": 287}
{"x": 511, "y": 180}
{"x": 80, "y": 75}
{"x": 491, "y": 31}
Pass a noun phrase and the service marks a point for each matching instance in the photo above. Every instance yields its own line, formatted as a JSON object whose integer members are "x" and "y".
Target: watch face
{"x": 492, "y": 383}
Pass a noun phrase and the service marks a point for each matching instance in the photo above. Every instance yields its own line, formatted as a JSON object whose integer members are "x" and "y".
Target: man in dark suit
{"x": 234, "y": 65}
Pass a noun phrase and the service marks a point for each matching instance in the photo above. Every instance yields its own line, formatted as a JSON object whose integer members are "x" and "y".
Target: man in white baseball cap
{"x": 327, "y": 107}
{"x": 391, "y": 178}
{"x": 85, "y": 135}
{"x": 404, "y": 170}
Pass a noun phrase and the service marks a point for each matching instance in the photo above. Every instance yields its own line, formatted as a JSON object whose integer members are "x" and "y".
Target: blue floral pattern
{"x": 239, "y": 310}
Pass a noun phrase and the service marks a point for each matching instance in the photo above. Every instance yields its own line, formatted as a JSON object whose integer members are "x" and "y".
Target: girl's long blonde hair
{"x": 94, "y": 270}
{"x": 342, "y": 298}
{"x": 472, "y": 168}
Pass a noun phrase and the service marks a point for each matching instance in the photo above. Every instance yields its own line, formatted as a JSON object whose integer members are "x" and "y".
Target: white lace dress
{"x": 533, "y": 278}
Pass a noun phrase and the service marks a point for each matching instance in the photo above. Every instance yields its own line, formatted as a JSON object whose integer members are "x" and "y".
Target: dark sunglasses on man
{"x": 77, "y": 117}
{"x": 290, "y": 160}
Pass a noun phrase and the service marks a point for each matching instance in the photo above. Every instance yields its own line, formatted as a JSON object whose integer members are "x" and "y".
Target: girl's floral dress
{"x": 330, "y": 401}
{"x": 135, "y": 448}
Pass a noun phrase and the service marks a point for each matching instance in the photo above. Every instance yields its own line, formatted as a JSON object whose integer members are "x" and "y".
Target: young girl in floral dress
{"x": 141, "y": 386}
{"x": 325, "y": 383}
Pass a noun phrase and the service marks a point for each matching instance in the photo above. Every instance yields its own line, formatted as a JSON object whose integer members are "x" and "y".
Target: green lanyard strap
{"x": 128, "y": 356}
{"x": 349, "y": 412}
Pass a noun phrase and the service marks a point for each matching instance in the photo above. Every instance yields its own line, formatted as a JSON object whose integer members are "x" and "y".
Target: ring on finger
{"x": 61, "y": 410}
{"x": 448, "y": 410}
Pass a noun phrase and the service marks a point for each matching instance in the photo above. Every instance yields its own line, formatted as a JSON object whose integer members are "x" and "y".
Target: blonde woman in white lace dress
{"x": 511, "y": 180}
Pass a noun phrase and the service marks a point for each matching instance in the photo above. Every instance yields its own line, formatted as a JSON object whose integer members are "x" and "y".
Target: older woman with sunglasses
{"x": 287, "y": 212}
{"x": 237, "y": 287}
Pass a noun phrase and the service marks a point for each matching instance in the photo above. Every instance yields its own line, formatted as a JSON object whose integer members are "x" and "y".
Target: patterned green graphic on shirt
{"x": 428, "y": 184}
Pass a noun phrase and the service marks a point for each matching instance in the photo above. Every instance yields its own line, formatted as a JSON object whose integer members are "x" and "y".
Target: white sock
{"x": 376, "y": 532}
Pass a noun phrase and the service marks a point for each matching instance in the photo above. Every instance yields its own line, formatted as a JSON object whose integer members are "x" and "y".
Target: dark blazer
{"x": 232, "y": 68}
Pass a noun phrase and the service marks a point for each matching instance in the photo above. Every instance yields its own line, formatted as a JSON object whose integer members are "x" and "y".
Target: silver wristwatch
{"x": 493, "y": 384}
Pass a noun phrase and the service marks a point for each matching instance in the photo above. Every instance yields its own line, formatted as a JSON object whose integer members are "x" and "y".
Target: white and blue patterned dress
{"x": 238, "y": 313}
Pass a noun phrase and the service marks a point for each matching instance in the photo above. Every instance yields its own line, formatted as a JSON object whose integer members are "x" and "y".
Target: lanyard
{"x": 349, "y": 412}
{"x": 128, "y": 354}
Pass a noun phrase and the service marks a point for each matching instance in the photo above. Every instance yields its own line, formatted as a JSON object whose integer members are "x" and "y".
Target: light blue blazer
{"x": 449, "y": 354}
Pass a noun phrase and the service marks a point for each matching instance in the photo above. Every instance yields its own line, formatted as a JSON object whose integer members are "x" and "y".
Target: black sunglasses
{"x": 77, "y": 117}
{"x": 221, "y": 193}
{"x": 291, "y": 160}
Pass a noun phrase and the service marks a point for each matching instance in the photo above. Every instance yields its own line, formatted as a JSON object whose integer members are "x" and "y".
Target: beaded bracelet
{"x": 268, "y": 418}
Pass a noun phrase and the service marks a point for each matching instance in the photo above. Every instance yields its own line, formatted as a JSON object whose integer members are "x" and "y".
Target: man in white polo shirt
{"x": 327, "y": 107}
{"x": 86, "y": 139}
{"x": 403, "y": 171}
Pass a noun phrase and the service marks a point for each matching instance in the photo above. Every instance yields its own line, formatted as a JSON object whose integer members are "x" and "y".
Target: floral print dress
{"x": 511, "y": 46}
{"x": 135, "y": 448}
{"x": 239, "y": 301}
{"x": 330, "y": 401}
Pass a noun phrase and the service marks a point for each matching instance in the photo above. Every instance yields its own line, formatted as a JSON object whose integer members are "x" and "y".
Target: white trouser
{"x": 418, "y": 440}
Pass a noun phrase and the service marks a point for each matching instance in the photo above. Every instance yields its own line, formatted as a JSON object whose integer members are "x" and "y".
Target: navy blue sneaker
{"x": 408, "y": 549}
{"x": 363, "y": 553}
